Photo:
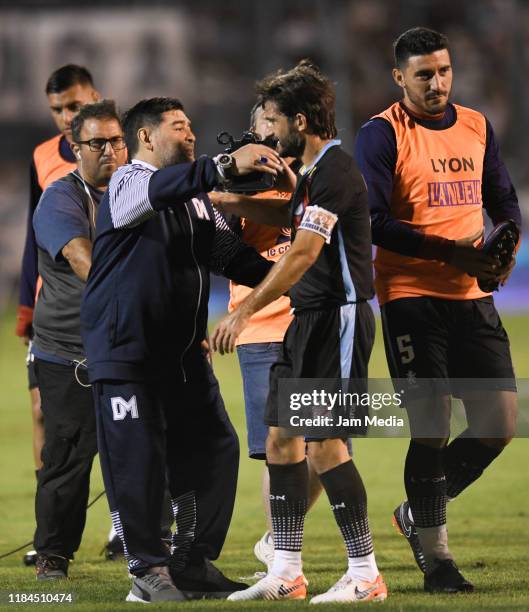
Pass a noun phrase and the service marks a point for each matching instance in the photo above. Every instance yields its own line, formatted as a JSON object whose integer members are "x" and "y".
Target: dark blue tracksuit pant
{"x": 148, "y": 428}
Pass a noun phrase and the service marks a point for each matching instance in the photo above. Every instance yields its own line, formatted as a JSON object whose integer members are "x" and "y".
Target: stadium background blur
{"x": 209, "y": 53}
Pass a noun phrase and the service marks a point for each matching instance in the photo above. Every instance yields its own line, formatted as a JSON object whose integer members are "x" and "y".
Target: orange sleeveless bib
{"x": 270, "y": 323}
{"x": 50, "y": 167}
{"x": 436, "y": 190}
{"x": 49, "y": 164}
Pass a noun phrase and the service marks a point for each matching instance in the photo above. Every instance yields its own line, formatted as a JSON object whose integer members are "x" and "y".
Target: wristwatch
{"x": 224, "y": 161}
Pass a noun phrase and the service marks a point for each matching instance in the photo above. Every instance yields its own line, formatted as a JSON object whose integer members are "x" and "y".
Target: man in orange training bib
{"x": 430, "y": 168}
{"x": 259, "y": 344}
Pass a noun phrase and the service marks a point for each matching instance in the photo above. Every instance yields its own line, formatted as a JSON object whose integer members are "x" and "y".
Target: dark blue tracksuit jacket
{"x": 144, "y": 311}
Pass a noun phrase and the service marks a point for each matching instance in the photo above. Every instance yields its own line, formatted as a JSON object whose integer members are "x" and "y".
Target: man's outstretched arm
{"x": 136, "y": 193}
{"x": 267, "y": 211}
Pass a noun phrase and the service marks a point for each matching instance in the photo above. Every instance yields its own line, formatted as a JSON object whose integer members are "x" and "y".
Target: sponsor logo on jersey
{"x": 454, "y": 193}
{"x": 453, "y": 164}
{"x": 284, "y": 236}
{"x": 278, "y": 250}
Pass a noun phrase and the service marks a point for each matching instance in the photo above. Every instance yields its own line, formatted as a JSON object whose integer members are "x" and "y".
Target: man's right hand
{"x": 471, "y": 260}
{"x": 255, "y": 157}
{"x": 287, "y": 181}
{"x": 24, "y": 323}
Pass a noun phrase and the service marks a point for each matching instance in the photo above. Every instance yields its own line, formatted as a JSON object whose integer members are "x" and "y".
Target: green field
{"x": 488, "y": 524}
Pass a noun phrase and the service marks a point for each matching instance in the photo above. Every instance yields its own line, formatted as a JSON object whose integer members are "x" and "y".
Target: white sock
{"x": 287, "y": 564}
{"x": 112, "y": 533}
{"x": 434, "y": 542}
{"x": 363, "y": 568}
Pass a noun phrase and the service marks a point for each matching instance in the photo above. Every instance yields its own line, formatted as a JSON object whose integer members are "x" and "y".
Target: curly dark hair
{"x": 302, "y": 89}
{"x": 417, "y": 41}
{"x": 106, "y": 109}
{"x": 146, "y": 113}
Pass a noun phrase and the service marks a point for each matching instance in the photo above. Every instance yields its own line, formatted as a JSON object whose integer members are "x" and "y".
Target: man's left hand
{"x": 227, "y": 331}
{"x": 505, "y": 272}
{"x": 287, "y": 178}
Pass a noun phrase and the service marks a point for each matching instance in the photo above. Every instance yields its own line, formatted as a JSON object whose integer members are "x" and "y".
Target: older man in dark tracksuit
{"x": 144, "y": 317}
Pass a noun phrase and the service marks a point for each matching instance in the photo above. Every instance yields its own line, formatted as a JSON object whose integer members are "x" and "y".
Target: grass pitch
{"x": 488, "y": 523}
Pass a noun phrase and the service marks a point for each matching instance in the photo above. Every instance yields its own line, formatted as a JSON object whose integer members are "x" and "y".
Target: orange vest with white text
{"x": 270, "y": 323}
{"x": 436, "y": 190}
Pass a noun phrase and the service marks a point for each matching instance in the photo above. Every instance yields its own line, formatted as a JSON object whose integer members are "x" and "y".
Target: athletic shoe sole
{"x": 131, "y": 598}
{"x": 411, "y": 537}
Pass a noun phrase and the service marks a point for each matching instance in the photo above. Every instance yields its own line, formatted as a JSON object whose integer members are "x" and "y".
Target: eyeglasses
{"x": 99, "y": 144}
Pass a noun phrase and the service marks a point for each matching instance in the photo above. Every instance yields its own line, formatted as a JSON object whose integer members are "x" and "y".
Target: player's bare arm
{"x": 285, "y": 273}
{"x": 78, "y": 253}
{"x": 268, "y": 211}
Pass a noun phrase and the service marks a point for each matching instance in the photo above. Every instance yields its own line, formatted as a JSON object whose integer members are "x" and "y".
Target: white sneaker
{"x": 273, "y": 587}
{"x": 264, "y": 550}
{"x": 349, "y": 590}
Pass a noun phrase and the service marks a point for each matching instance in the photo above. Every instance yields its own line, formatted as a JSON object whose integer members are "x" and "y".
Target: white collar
{"x": 144, "y": 163}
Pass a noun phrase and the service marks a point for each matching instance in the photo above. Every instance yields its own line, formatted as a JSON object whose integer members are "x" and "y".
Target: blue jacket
{"x": 144, "y": 311}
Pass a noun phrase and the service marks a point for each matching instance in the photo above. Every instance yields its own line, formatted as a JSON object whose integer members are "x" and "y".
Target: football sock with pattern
{"x": 185, "y": 516}
{"x": 289, "y": 494}
{"x": 425, "y": 483}
{"x": 465, "y": 459}
{"x": 167, "y": 516}
{"x": 347, "y": 495}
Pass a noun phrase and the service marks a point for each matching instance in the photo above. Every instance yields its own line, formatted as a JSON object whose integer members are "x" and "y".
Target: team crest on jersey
{"x": 283, "y": 236}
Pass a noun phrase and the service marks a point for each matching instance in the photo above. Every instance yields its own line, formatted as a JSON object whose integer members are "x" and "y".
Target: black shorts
{"x": 433, "y": 338}
{"x": 329, "y": 344}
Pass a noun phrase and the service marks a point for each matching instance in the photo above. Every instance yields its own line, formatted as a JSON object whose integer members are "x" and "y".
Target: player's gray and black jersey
{"x": 331, "y": 200}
